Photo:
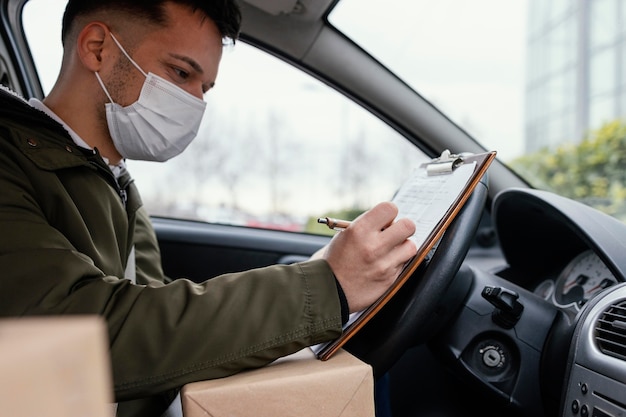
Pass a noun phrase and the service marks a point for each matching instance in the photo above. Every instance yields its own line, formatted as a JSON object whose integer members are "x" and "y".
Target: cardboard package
{"x": 297, "y": 385}
{"x": 55, "y": 367}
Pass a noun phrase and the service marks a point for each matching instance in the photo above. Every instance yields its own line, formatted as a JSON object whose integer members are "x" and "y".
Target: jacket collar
{"x": 42, "y": 139}
{"x": 50, "y": 147}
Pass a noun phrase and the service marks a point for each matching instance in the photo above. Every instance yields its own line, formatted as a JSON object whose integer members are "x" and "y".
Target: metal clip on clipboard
{"x": 445, "y": 164}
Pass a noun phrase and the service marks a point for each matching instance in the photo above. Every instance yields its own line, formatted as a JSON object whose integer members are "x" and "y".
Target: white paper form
{"x": 425, "y": 199}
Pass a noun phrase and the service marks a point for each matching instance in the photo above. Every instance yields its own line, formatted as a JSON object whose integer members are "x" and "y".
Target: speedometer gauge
{"x": 581, "y": 280}
{"x": 545, "y": 289}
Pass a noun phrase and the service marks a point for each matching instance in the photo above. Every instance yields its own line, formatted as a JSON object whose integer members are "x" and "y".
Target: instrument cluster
{"x": 581, "y": 279}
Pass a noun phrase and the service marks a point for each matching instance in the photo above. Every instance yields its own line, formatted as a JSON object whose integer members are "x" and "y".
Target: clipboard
{"x": 463, "y": 173}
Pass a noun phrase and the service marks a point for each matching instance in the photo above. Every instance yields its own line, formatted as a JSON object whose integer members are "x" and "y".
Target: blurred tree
{"x": 279, "y": 158}
{"x": 592, "y": 171}
{"x": 356, "y": 168}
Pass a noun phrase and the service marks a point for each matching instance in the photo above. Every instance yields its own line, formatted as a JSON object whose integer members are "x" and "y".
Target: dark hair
{"x": 224, "y": 13}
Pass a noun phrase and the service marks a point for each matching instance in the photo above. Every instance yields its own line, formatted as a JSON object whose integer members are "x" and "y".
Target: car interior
{"x": 520, "y": 309}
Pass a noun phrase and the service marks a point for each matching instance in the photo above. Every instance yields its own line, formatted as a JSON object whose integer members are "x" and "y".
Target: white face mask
{"x": 159, "y": 125}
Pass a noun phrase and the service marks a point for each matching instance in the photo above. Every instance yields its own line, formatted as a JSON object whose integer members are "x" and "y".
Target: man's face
{"x": 186, "y": 52}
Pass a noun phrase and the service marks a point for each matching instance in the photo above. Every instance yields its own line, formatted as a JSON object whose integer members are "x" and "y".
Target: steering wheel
{"x": 416, "y": 312}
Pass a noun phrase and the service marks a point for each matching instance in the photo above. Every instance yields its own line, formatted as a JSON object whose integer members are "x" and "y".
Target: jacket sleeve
{"x": 147, "y": 252}
{"x": 184, "y": 332}
{"x": 161, "y": 336}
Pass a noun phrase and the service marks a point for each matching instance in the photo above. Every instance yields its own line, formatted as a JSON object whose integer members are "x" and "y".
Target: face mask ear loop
{"x": 126, "y": 54}
{"x": 103, "y": 87}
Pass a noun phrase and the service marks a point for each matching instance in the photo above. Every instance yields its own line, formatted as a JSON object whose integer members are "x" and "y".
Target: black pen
{"x": 334, "y": 224}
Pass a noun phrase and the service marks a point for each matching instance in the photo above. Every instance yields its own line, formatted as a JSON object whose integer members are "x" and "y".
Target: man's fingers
{"x": 405, "y": 251}
{"x": 384, "y": 235}
{"x": 397, "y": 232}
{"x": 368, "y": 256}
{"x": 379, "y": 217}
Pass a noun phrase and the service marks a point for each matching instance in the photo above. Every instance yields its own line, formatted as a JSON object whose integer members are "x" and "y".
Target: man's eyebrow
{"x": 189, "y": 61}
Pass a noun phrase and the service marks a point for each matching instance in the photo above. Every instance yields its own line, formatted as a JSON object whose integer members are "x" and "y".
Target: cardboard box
{"x": 297, "y": 385}
{"x": 55, "y": 367}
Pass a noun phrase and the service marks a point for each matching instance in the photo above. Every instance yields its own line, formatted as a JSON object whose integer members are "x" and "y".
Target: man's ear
{"x": 92, "y": 45}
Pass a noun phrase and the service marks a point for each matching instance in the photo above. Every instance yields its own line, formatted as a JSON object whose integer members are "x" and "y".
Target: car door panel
{"x": 199, "y": 251}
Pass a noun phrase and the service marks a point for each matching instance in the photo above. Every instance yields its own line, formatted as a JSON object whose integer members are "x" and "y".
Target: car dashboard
{"x": 584, "y": 277}
{"x": 561, "y": 250}
{"x": 573, "y": 257}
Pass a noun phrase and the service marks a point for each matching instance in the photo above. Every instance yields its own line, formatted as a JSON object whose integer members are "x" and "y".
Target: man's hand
{"x": 368, "y": 256}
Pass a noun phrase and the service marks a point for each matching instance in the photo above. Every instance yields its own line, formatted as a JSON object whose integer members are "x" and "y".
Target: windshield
{"x": 541, "y": 82}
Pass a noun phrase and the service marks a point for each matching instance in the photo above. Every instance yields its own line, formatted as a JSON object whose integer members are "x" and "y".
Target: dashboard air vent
{"x": 610, "y": 331}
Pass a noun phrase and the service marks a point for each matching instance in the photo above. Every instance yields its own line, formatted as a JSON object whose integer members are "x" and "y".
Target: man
{"x": 77, "y": 241}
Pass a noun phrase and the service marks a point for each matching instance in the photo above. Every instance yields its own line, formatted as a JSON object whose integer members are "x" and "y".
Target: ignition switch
{"x": 507, "y": 309}
{"x": 494, "y": 359}
{"x": 493, "y": 356}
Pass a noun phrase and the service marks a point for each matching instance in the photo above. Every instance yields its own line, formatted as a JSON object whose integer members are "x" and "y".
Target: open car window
{"x": 276, "y": 149}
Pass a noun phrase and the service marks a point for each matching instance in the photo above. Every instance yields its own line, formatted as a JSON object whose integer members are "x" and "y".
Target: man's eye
{"x": 181, "y": 73}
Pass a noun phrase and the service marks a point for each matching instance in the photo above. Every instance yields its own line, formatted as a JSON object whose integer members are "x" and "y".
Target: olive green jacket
{"x": 66, "y": 237}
